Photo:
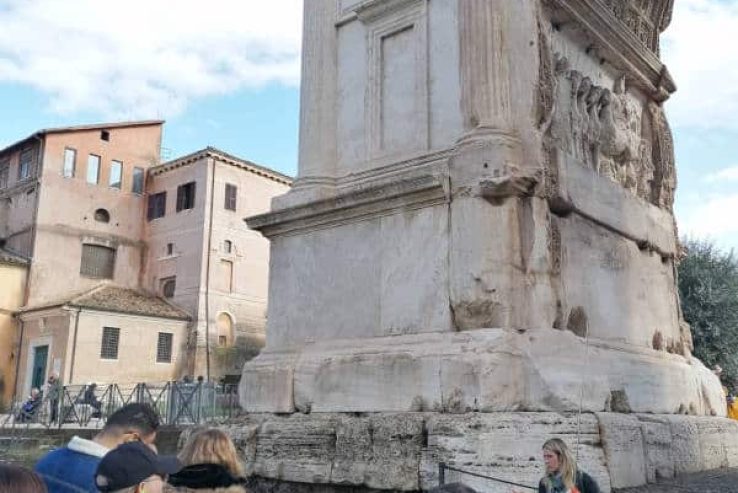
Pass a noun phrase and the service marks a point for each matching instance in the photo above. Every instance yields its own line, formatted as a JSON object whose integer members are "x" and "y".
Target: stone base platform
{"x": 486, "y": 370}
{"x": 401, "y": 452}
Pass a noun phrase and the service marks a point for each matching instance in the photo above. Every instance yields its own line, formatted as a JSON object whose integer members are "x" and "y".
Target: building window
{"x": 230, "y": 196}
{"x": 186, "y": 196}
{"x": 224, "y": 325}
{"x": 116, "y": 174}
{"x": 138, "y": 181}
{"x": 170, "y": 249}
{"x": 105, "y": 135}
{"x": 4, "y": 173}
{"x": 93, "y": 169}
{"x": 164, "y": 347}
{"x": 102, "y": 216}
{"x": 228, "y": 246}
{"x": 226, "y": 275}
{"x": 24, "y": 166}
{"x": 110, "y": 341}
{"x": 168, "y": 287}
{"x": 70, "y": 161}
{"x": 97, "y": 261}
{"x": 157, "y": 206}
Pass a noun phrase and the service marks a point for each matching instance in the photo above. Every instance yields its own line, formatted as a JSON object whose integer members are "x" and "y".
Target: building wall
{"x": 240, "y": 296}
{"x": 136, "y": 360}
{"x": 42, "y": 328}
{"x": 66, "y": 212}
{"x": 18, "y": 199}
{"x": 13, "y": 281}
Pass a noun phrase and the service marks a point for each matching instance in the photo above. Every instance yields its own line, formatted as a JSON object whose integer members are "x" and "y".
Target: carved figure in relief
{"x": 663, "y": 158}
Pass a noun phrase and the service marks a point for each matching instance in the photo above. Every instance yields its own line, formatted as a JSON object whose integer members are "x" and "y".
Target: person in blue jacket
{"x": 71, "y": 469}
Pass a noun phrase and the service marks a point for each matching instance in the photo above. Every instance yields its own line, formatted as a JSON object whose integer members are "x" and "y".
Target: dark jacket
{"x": 206, "y": 478}
{"x": 584, "y": 483}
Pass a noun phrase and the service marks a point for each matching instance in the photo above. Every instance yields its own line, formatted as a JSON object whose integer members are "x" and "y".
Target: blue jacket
{"x": 71, "y": 469}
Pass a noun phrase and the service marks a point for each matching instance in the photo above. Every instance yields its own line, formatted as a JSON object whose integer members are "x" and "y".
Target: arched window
{"x": 224, "y": 323}
{"x": 228, "y": 246}
{"x": 168, "y": 287}
{"x": 102, "y": 216}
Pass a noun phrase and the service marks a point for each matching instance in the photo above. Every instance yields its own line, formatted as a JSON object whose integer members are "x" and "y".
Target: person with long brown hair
{"x": 14, "y": 479}
{"x": 211, "y": 465}
{"x": 562, "y": 474}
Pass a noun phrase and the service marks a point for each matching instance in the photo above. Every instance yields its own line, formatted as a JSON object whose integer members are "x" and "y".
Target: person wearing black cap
{"x": 134, "y": 468}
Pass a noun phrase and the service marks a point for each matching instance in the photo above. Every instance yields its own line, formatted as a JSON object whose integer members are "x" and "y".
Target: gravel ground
{"x": 721, "y": 481}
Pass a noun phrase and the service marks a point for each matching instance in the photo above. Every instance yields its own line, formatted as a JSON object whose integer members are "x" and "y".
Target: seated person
{"x": 30, "y": 407}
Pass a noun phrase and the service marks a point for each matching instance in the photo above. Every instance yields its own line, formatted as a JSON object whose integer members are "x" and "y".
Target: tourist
{"x": 53, "y": 391}
{"x": 211, "y": 465}
{"x": 31, "y": 406}
{"x": 89, "y": 398}
{"x": 72, "y": 468}
{"x": 562, "y": 474}
{"x": 14, "y": 479}
{"x": 134, "y": 467}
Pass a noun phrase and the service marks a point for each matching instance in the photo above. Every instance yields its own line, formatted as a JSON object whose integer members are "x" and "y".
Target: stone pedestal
{"x": 482, "y": 223}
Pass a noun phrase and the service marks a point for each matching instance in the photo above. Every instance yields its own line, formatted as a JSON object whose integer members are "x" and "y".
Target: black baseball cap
{"x": 129, "y": 464}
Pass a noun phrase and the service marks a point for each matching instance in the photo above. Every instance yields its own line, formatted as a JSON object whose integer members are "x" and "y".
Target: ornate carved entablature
{"x": 647, "y": 19}
{"x": 626, "y": 34}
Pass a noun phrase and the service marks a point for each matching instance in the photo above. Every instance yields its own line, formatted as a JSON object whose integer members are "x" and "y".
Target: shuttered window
{"x": 110, "y": 341}
{"x": 157, "y": 206}
{"x": 4, "y": 173}
{"x": 97, "y": 261}
{"x": 230, "y": 196}
{"x": 164, "y": 348}
{"x": 186, "y": 196}
{"x": 25, "y": 164}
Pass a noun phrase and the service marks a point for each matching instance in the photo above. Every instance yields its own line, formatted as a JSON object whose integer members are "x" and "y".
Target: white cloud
{"x": 711, "y": 218}
{"x": 701, "y": 50}
{"x": 146, "y": 58}
{"x": 723, "y": 175}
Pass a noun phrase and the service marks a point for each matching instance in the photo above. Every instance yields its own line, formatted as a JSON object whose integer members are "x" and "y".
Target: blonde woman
{"x": 211, "y": 465}
{"x": 562, "y": 475}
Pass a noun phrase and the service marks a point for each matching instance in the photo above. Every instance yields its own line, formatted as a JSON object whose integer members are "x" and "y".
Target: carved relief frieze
{"x": 608, "y": 130}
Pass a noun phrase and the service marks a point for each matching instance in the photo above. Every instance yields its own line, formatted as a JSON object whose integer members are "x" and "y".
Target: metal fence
{"x": 450, "y": 474}
{"x": 176, "y": 403}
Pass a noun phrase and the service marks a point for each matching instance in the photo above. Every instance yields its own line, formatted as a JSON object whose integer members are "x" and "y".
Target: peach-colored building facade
{"x": 114, "y": 263}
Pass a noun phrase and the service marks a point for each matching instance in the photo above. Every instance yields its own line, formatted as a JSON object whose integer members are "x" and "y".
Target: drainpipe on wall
{"x": 18, "y": 358}
{"x": 74, "y": 346}
{"x": 38, "y": 170}
{"x": 207, "y": 273}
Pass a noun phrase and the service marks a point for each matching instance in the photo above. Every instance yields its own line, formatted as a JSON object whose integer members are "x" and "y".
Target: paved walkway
{"x": 720, "y": 481}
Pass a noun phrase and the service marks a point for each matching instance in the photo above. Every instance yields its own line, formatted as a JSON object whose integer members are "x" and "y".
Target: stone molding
{"x": 408, "y": 193}
{"x": 624, "y": 49}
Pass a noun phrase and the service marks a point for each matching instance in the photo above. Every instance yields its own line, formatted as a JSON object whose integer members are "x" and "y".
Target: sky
{"x": 228, "y": 76}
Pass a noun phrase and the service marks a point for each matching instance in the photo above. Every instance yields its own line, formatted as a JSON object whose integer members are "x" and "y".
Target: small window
{"x": 70, "y": 161}
{"x": 138, "y": 181}
{"x": 116, "y": 174}
{"x": 222, "y": 341}
{"x": 164, "y": 347}
{"x": 170, "y": 249}
{"x": 168, "y": 287}
{"x": 157, "y": 206}
{"x": 93, "y": 169}
{"x": 110, "y": 341}
{"x": 228, "y": 246}
{"x": 4, "y": 173}
{"x": 230, "y": 196}
{"x": 102, "y": 216}
{"x": 105, "y": 135}
{"x": 97, "y": 261}
{"x": 24, "y": 165}
{"x": 186, "y": 196}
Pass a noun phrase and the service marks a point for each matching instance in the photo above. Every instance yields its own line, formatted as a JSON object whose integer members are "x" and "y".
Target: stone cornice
{"x": 355, "y": 205}
{"x": 621, "y": 46}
